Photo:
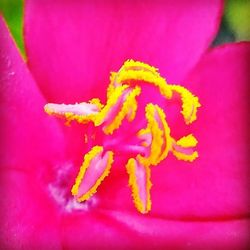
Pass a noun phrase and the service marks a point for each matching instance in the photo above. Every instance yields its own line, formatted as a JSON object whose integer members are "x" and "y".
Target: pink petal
{"x": 28, "y": 136}
{"x": 215, "y": 185}
{"x": 122, "y": 230}
{"x": 149, "y": 232}
{"x": 73, "y": 46}
{"x": 28, "y": 218}
{"x": 93, "y": 230}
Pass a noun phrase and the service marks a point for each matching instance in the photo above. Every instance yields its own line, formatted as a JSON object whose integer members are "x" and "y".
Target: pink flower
{"x": 71, "y": 49}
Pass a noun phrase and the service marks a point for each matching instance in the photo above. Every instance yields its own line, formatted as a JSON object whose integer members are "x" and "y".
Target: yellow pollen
{"x": 71, "y": 116}
{"x": 182, "y": 149}
{"x": 185, "y": 157}
{"x": 190, "y": 103}
{"x": 135, "y": 186}
{"x": 157, "y": 138}
{"x": 129, "y": 76}
{"x": 97, "y": 102}
{"x": 111, "y": 86}
{"x": 151, "y": 144}
{"x": 166, "y": 134}
{"x": 187, "y": 141}
{"x": 131, "y": 64}
{"x": 128, "y": 109}
{"x": 79, "y": 118}
{"x": 86, "y": 163}
{"x": 142, "y": 133}
{"x": 112, "y": 101}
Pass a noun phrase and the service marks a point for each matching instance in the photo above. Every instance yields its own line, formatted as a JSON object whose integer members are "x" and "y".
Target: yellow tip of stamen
{"x": 190, "y": 103}
{"x": 79, "y": 118}
{"x": 136, "y": 65}
{"x": 111, "y": 86}
{"x": 113, "y": 99}
{"x": 187, "y": 141}
{"x": 185, "y": 157}
{"x": 180, "y": 148}
{"x": 134, "y": 184}
{"x": 80, "y": 112}
{"x": 128, "y": 109}
{"x": 127, "y": 76}
{"x": 97, "y": 102}
{"x": 86, "y": 163}
{"x": 157, "y": 138}
{"x": 166, "y": 134}
{"x": 146, "y": 136}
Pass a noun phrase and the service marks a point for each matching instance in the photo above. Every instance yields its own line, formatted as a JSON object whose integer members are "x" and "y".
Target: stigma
{"x": 146, "y": 144}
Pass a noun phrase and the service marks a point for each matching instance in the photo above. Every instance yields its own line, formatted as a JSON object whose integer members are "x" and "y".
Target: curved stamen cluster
{"x": 154, "y": 142}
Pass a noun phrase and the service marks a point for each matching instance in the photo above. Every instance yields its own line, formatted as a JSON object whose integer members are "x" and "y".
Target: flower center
{"x": 131, "y": 127}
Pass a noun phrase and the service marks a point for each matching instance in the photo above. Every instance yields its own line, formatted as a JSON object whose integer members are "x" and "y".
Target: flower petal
{"x": 28, "y": 135}
{"x": 157, "y": 233}
{"x": 73, "y": 46}
{"x": 122, "y": 230}
{"x": 215, "y": 185}
{"x": 28, "y": 218}
{"x": 93, "y": 230}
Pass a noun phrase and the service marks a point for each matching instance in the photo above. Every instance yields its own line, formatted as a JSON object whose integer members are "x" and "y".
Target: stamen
{"x": 97, "y": 102}
{"x": 130, "y": 76}
{"x": 162, "y": 123}
{"x": 134, "y": 71}
{"x": 81, "y": 112}
{"x": 187, "y": 141}
{"x": 131, "y": 64}
{"x": 148, "y": 147}
{"x": 139, "y": 181}
{"x": 92, "y": 172}
{"x": 183, "y": 148}
{"x": 111, "y": 104}
{"x": 128, "y": 109}
{"x": 111, "y": 86}
{"x": 157, "y": 138}
{"x": 190, "y": 103}
{"x": 146, "y": 137}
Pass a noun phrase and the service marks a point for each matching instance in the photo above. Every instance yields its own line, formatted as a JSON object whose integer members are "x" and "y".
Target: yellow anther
{"x": 139, "y": 186}
{"x": 183, "y": 148}
{"x": 136, "y": 65}
{"x": 97, "y": 102}
{"x": 80, "y": 112}
{"x": 146, "y": 137}
{"x": 190, "y": 103}
{"x": 153, "y": 142}
{"x": 128, "y": 109}
{"x": 79, "y": 118}
{"x": 86, "y": 164}
{"x": 128, "y": 76}
{"x": 185, "y": 157}
{"x": 112, "y": 101}
{"x": 166, "y": 133}
{"x": 143, "y": 131}
{"x": 157, "y": 138}
{"x": 111, "y": 86}
{"x": 187, "y": 141}
{"x": 129, "y": 65}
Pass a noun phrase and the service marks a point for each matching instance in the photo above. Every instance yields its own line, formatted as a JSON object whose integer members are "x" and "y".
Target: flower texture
{"x": 71, "y": 47}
